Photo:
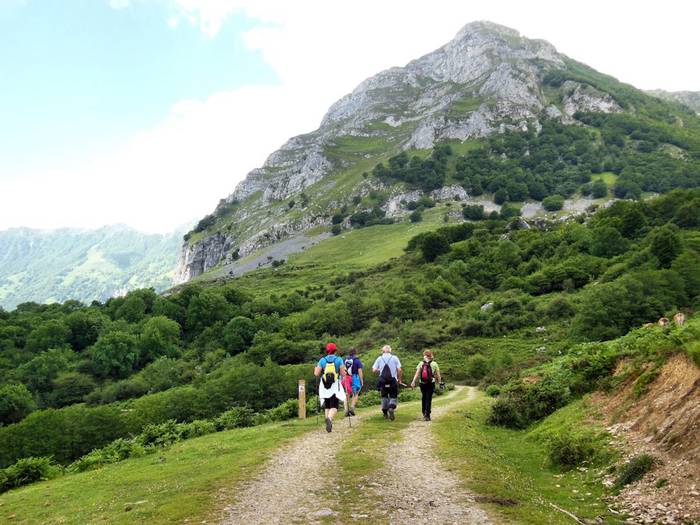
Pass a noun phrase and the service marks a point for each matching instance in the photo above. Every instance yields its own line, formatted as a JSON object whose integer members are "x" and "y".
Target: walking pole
{"x": 318, "y": 402}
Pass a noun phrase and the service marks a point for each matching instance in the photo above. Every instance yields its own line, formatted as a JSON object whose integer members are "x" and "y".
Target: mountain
{"x": 487, "y": 82}
{"x": 690, "y": 99}
{"x": 86, "y": 265}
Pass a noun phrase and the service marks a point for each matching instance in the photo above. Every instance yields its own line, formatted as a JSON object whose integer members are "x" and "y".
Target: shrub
{"x": 283, "y": 411}
{"x": 634, "y": 470}
{"x": 16, "y": 402}
{"x": 505, "y": 413}
{"x": 493, "y": 390}
{"x": 416, "y": 216}
{"x": 571, "y": 449}
{"x": 237, "y": 417}
{"x": 26, "y": 471}
{"x": 336, "y": 229}
{"x": 118, "y": 450}
{"x": 553, "y": 203}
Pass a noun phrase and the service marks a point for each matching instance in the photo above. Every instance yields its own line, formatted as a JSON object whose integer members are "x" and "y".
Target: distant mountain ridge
{"x": 85, "y": 265}
{"x": 687, "y": 98}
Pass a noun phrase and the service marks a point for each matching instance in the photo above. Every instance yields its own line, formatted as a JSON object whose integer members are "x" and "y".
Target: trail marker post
{"x": 302, "y": 399}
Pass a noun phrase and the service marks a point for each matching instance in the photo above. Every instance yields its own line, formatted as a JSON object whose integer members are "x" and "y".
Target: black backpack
{"x": 386, "y": 379}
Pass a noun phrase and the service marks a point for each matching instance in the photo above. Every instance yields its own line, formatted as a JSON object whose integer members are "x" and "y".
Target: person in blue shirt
{"x": 330, "y": 369}
{"x": 353, "y": 382}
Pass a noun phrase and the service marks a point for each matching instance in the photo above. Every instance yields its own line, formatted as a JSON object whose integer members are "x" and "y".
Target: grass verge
{"x": 509, "y": 471}
{"x": 191, "y": 481}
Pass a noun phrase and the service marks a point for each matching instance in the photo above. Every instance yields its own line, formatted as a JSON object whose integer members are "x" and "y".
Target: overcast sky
{"x": 147, "y": 112}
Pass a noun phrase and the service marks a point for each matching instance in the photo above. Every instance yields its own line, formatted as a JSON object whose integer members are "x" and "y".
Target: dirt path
{"x": 416, "y": 488}
{"x": 277, "y": 495}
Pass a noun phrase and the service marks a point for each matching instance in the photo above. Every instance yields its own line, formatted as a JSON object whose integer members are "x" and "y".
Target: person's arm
{"x": 438, "y": 375}
{"x": 343, "y": 372}
{"x": 374, "y": 367}
{"x": 415, "y": 378}
{"x": 362, "y": 377}
{"x": 399, "y": 371}
{"x": 317, "y": 371}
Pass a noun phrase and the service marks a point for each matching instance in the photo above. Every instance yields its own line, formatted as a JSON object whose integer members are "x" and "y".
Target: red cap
{"x": 331, "y": 348}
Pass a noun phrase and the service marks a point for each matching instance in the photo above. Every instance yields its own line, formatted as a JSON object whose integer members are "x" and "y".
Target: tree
{"x": 433, "y": 245}
{"x": 665, "y": 244}
{"x": 688, "y": 215}
{"x": 69, "y": 388}
{"x": 473, "y": 212}
{"x": 238, "y": 334}
{"x": 336, "y": 229}
{"x": 500, "y": 196}
{"x": 38, "y": 373}
{"x": 553, "y": 203}
{"x": 205, "y": 309}
{"x": 607, "y": 242}
{"x": 115, "y": 354}
{"x": 16, "y": 402}
{"x": 85, "y": 327}
{"x": 599, "y": 189}
{"x": 416, "y": 216}
{"x": 160, "y": 338}
{"x": 50, "y": 334}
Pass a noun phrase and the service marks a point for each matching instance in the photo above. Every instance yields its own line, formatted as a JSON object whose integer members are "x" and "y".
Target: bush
{"x": 634, "y": 470}
{"x": 237, "y": 417}
{"x": 336, "y": 229}
{"x": 553, "y": 203}
{"x": 16, "y": 402}
{"x": 571, "y": 449}
{"x": 493, "y": 390}
{"x": 416, "y": 216}
{"x": 473, "y": 212}
{"x": 118, "y": 450}
{"x": 505, "y": 413}
{"x": 26, "y": 471}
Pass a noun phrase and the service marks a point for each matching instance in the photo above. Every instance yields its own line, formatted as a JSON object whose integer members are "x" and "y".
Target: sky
{"x": 147, "y": 112}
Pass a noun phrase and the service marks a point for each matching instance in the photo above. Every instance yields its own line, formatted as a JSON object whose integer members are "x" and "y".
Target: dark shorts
{"x": 330, "y": 402}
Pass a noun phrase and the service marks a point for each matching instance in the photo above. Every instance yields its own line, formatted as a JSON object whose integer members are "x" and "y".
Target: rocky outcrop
{"x": 585, "y": 98}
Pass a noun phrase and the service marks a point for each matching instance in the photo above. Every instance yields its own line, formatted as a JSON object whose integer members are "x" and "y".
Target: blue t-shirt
{"x": 331, "y": 359}
{"x": 356, "y": 365}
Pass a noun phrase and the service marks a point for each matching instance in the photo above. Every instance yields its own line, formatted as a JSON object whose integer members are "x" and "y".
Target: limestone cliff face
{"x": 487, "y": 79}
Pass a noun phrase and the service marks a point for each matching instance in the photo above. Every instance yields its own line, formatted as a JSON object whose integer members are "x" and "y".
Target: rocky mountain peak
{"x": 487, "y": 79}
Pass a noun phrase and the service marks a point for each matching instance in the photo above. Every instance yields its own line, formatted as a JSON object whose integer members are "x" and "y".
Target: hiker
{"x": 426, "y": 372}
{"x": 330, "y": 369}
{"x": 354, "y": 381}
{"x": 390, "y": 373}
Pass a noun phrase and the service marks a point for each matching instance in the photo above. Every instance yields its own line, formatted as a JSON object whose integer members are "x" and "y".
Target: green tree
{"x": 607, "y": 242}
{"x": 16, "y": 402}
{"x": 160, "y": 338}
{"x": 205, "y": 309}
{"x": 599, "y": 189}
{"x": 39, "y": 372}
{"x": 115, "y": 354}
{"x": 553, "y": 203}
{"x": 473, "y": 212}
{"x": 665, "y": 244}
{"x": 433, "y": 245}
{"x": 688, "y": 215}
{"x": 69, "y": 388}
{"x": 85, "y": 327}
{"x": 500, "y": 196}
{"x": 49, "y": 334}
{"x": 416, "y": 216}
{"x": 238, "y": 334}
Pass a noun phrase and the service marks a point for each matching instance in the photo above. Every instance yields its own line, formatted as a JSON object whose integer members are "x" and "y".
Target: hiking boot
{"x": 386, "y": 414}
{"x": 347, "y": 413}
{"x": 352, "y": 411}
{"x": 426, "y": 418}
{"x": 329, "y": 424}
{"x": 391, "y": 414}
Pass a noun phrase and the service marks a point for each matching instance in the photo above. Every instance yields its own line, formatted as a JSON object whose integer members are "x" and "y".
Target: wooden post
{"x": 302, "y": 399}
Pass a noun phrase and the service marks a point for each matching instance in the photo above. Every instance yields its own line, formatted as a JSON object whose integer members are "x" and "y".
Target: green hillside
{"x": 83, "y": 265}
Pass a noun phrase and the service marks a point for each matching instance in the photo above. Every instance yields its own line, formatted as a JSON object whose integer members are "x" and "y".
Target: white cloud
{"x": 119, "y": 4}
{"x": 320, "y": 51}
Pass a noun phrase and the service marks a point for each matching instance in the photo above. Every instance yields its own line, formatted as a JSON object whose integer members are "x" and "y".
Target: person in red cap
{"x": 331, "y": 370}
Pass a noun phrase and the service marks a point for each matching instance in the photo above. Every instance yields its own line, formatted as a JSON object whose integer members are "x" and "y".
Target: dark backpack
{"x": 386, "y": 379}
{"x": 426, "y": 372}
